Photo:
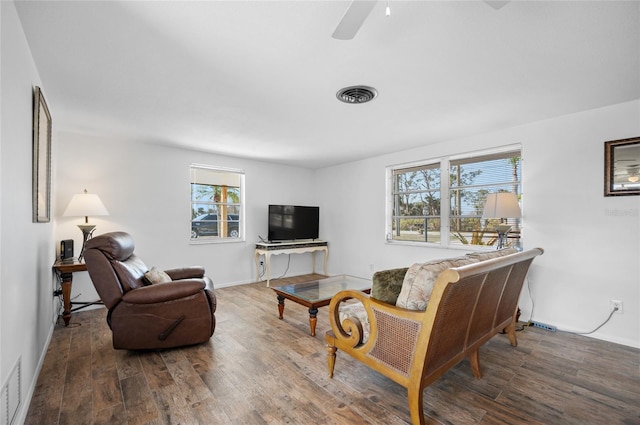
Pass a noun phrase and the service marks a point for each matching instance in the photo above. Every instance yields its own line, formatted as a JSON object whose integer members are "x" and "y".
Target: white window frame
{"x": 445, "y": 228}
{"x": 241, "y": 206}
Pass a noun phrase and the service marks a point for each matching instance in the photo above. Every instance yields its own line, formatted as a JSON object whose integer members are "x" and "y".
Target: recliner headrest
{"x": 115, "y": 245}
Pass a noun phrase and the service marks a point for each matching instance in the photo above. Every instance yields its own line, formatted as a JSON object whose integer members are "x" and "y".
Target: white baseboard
{"x": 26, "y": 401}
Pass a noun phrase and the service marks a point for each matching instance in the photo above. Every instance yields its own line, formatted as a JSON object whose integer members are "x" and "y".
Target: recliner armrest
{"x": 186, "y": 272}
{"x": 164, "y": 291}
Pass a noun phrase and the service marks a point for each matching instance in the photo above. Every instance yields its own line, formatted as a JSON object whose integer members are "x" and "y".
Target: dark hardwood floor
{"x": 257, "y": 369}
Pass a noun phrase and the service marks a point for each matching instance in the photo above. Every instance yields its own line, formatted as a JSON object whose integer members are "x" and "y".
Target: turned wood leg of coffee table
{"x": 313, "y": 312}
{"x": 280, "y": 306}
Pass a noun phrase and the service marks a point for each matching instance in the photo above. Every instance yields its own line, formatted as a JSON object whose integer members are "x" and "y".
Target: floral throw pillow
{"x": 420, "y": 278}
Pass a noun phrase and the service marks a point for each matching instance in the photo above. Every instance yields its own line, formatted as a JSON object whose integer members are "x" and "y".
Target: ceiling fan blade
{"x": 353, "y": 19}
{"x": 497, "y": 4}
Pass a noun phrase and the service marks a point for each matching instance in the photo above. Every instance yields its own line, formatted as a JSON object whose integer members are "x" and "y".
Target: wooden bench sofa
{"x": 467, "y": 306}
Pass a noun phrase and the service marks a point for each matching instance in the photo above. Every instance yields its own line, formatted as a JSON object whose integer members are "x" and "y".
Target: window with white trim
{"x": 217, "y": 203}
{"x": 441, "y": 201}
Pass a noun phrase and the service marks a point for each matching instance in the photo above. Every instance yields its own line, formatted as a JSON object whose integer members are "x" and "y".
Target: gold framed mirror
{"x": 622, "y": 167}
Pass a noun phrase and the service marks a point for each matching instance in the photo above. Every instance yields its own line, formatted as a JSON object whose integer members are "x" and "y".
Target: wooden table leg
{"x": 267, "y": 267}
{"x": 313, "y": 262}
{"x": 280, "y": 306}
{"x": 67, "y": 279}
{"x": 313, "y": 312}
{"x": 257, "y": 258}
{"x": 326, "y": 258}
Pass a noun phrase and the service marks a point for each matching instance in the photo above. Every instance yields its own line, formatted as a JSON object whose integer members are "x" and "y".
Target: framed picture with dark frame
{"x": 41, "y": 159}
{"x": 622, "y": 167}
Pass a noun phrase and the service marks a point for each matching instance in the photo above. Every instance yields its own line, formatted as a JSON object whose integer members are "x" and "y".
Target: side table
{"x": 269, "y": 249}
{"x": 65, "y": 269}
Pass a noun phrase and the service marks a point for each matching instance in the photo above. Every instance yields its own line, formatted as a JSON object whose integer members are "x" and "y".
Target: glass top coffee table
{"x": 318, "y": 293}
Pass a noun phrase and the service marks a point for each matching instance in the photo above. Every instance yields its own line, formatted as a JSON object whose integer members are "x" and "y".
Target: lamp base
{"x": 503, "y": 230}
{"x": 87, "y": 232}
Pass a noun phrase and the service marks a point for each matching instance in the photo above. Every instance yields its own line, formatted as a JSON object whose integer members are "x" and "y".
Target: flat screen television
{"x": 293, "y": 222}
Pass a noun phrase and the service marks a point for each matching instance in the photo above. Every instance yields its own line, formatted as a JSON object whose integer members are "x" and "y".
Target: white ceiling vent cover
{"x": 356, "y": 94}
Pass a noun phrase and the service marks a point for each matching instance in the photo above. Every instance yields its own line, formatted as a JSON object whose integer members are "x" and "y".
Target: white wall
{"x": 146, "y": 188}
{"x": 27, "y": 250}
{"x": 591, "y": 242}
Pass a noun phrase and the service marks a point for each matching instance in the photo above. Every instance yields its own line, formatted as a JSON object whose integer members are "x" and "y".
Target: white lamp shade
{"x": 501, "y": 205}
{"x": 85, "y": 204}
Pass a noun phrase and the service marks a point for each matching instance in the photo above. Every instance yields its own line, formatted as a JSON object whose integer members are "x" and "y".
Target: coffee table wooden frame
{"x": 312, "y": 305}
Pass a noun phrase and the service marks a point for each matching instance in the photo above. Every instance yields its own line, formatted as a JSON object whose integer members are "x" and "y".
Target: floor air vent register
{"x": 10, "y": 396}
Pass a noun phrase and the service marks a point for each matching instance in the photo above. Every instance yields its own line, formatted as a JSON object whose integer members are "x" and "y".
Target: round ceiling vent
{"x": 356, "y": 94}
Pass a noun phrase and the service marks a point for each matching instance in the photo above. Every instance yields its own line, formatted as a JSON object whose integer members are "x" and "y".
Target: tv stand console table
{"x": 269, "y": 249}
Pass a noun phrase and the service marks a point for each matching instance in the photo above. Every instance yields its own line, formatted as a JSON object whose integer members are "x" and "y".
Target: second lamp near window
{"x": 442, "y": 201}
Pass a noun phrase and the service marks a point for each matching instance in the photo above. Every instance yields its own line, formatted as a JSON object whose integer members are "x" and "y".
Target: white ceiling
{"x": 258, "y": 79}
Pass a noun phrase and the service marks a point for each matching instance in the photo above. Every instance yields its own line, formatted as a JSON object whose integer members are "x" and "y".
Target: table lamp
{"x": 85, "y": 204}
{"x": 502, "y": 205}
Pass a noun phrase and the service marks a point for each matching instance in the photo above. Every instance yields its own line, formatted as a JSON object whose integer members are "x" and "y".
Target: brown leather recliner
{"x": 143, "y": 315}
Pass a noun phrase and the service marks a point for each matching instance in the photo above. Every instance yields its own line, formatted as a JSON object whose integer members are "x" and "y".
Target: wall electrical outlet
{"x": 618, "y": 304}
